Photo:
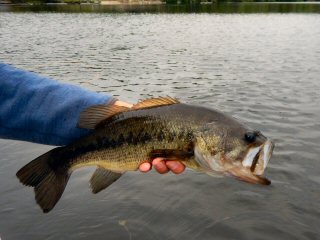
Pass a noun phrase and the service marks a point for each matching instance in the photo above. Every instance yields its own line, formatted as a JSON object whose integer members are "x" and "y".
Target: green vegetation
{"x": 39, "y": 2}
{"x": 220, "y": 7}
{"x": 132, "y": 1}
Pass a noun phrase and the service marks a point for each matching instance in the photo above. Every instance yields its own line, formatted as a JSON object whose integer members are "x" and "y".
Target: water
{"x": 260, "y": 68}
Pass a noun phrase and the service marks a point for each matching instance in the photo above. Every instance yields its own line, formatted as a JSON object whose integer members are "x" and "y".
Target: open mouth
{"x": 254, "y": 164}
{"x": 257, "y": 158}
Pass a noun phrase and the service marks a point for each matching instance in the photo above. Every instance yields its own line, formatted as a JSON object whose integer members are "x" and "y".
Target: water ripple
{"x": 265, "y": 74}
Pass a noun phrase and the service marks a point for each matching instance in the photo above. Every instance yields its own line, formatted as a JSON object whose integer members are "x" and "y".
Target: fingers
{"x": 163, "y": 166}
{"x": 175, "y": 166}
{"x": 160, "y": 165}
{"x": 145, "y": 167}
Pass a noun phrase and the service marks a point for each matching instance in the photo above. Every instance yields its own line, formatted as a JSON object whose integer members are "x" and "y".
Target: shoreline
{"x": 103, "y": 3}
{"x": 155, "y": 2}
{"x": 106, "y": 3}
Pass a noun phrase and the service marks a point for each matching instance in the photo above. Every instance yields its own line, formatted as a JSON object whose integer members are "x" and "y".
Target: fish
{"x": 122, "y": 138}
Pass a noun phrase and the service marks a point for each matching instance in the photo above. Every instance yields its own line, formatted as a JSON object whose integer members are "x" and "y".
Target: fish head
{"x": 230, "y": 148}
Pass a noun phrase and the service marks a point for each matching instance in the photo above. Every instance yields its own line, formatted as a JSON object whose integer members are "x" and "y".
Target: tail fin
{"x": 48, "y": 182}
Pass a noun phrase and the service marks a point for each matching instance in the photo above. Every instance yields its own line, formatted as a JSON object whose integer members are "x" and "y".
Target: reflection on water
{"x": 311, "y": 7}
{"x": 260, "y": 68}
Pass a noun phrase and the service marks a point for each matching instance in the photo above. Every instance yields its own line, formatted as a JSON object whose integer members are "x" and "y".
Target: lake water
{"x": 261, "y": 68}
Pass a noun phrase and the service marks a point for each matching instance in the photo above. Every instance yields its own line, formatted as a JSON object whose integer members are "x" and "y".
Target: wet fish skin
{"x": 203, "y": 139}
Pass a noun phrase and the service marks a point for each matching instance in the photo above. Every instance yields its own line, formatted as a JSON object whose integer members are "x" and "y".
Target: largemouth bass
{"x": 204, "y": 139}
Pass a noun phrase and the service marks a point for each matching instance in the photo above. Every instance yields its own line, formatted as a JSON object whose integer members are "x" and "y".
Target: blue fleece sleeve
{"x": 38, "y": 109}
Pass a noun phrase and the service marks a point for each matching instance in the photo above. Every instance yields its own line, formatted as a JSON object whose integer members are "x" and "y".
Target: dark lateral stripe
{"x": 171, "y": 153}
{"x": 106, "y": 143}
{"x": 102, "y": 143}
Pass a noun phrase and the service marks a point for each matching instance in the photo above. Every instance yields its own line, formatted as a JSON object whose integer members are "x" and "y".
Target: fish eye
{"x": 250, "y": 136}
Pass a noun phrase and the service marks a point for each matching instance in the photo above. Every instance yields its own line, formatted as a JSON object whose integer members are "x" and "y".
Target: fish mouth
{"x": 254, "y": 164}
{"x": 257, "y": 158}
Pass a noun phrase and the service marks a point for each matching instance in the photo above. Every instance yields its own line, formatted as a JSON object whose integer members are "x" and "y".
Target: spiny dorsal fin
{"x": 102, "y": 178}
{"x": 155, "y": 102}
{"x": 92, "y": 116}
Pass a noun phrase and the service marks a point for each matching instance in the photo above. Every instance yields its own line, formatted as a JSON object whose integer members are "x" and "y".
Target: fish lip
{"x": 255, "y": 160}
{"x": 250, "y": 156}
{"x": 264, "y": 157}
{"x": 258, "y": 158}
{"x": 270, "y": 152}
{"x": 248, "y": 176}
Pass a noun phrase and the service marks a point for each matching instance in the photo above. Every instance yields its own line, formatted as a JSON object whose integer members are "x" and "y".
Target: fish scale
{"x": 127, "y": 135}
{"x": 204, "y": 139}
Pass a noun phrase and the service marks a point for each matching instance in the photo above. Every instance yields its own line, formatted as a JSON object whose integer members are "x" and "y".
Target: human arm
{"x": 38, "y": 109}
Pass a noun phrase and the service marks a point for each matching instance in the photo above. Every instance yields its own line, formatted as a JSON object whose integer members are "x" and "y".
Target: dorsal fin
{"x": 92, "y": 116}
{"x": 154, "y": 102}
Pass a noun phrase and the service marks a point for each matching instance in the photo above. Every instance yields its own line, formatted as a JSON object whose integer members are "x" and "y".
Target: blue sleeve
{"x": 38, "y": 109}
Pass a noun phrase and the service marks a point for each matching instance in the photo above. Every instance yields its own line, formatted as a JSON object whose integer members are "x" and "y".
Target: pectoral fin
{"x": 102, "y": 178}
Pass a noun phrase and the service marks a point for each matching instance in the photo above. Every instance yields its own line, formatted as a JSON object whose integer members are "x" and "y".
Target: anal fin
{"x": 102, "y": 178}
